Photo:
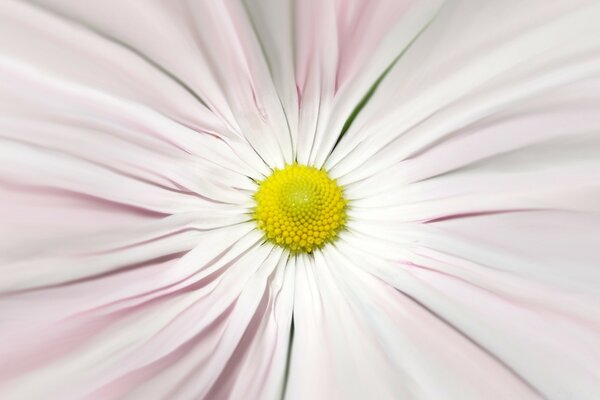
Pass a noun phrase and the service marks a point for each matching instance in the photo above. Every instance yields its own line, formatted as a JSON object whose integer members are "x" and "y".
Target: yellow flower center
{"x": 300, "y": 208}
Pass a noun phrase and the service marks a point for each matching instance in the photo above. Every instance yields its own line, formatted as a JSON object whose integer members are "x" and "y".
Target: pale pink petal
{"x": 106, "y": 189}
{"x": 131, "y": 137}
{"x": 216, "y": 358}
{"x": 69, "y": 51}
{"x": 166, "y": 331}
{"x": 453, "y": 77}
{"x": 325, "y": 56}
{"x": 109, "y": 128}
{"x": 523, "y": 286}
{"x": 381, "y": 343}
{"x": 369, "y": 38}
{"x": 207, "y": 46}
{"x": 333, "y": 354}
{"x": 538, "y": 153}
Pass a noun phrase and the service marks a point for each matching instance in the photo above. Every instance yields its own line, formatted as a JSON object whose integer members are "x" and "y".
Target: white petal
{"x": 67, "y": 51}
{"x": 537, "y": 154}
{"x": 430, "y": 92}
{"x": 121, "y": 136}
{"x": 325, "y": 56}
{"x": 536, "y": 314}
{"x": 115, "y": 349}
{"x": 333, "y": 355}
{"x": 227, "y": 72}
{"x": 385, "y": 347}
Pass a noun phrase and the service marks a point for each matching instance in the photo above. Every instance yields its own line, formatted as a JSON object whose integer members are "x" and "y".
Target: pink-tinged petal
{"x": 333, "y": 354}
{"x": 210, "y": 48}
{"x": 31, "y": 216}
{"x": 555, "y": 352}
{"x": 388, "y": 346}
{"x": 69, "y": 51}
{"x": 185, "y": 336}
{"x": 341, "y": 49}
{"x": 273, "y": 22}
{"x": 523, "y": 286}
{"x": 212, "y": 366}
{"x": 324, "y": 57}
{"x": 121, "y": 137}
{"x": 113, "y": 265}
{"x": 32, "y": 165}
{"x": 367, "y": 39}
{"x": 554, "y": 248}
{"x": 451, "y": 77}
{"x": 257, "y": 367}
{"x": 538, "y": 153}
{"x": 560, "y": 114}
{"x": 69, "y": 325}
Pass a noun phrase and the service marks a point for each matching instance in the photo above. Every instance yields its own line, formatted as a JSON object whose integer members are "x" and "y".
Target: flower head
{"x": 299, "y": 199}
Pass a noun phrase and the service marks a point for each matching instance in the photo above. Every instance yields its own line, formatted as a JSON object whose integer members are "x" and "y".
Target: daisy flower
{"x": 279, "y": 199}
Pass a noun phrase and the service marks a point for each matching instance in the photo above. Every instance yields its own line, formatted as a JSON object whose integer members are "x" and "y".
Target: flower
{"x": 460, "y": 139}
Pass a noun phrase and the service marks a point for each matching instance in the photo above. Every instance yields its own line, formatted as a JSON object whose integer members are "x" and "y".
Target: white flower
{"x": 465, "y": 140}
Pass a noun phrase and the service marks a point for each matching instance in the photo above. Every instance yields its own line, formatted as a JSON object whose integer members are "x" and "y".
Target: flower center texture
{"x": 300, "y": 208}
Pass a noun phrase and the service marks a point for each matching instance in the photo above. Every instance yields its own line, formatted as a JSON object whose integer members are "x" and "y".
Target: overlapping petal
{"x": 132, "y": 135}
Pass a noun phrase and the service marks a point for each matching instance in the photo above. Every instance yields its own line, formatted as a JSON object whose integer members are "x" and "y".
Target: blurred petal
{"x": 538, "y": 154}
{"x": 325, "y": 56}
{"x": 515, "y": 284}
{"x": 209, "y": 48}
{"x": 133, "y": 135}
{"x": 452, "y": 77}
{"x": 385, "y": 347}
{"x": 332, "y": 354}
{"x": 70, "y": 52}
{"x": 164, "y": 327}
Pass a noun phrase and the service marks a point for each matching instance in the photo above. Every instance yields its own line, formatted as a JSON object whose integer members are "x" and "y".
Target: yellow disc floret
{"x": 300, "y": 208}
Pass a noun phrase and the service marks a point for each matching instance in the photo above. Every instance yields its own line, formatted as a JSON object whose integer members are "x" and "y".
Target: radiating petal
{"x": 108, "y": 350}
{"x": 489, "y": 221}
{"x": 69, "y": 51}
{"x": 209, "y": 48}
{"x": 450, "y": 140}
{"x": 113, "y": 132}
{"x": 452, "y": 78}
{"x": 388, "y": 346}
{"x": 533, "y": 154}
{"x": 325, "y": 56}
{"x": 333, "y": 354}
{"x": 491, "y": 278}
